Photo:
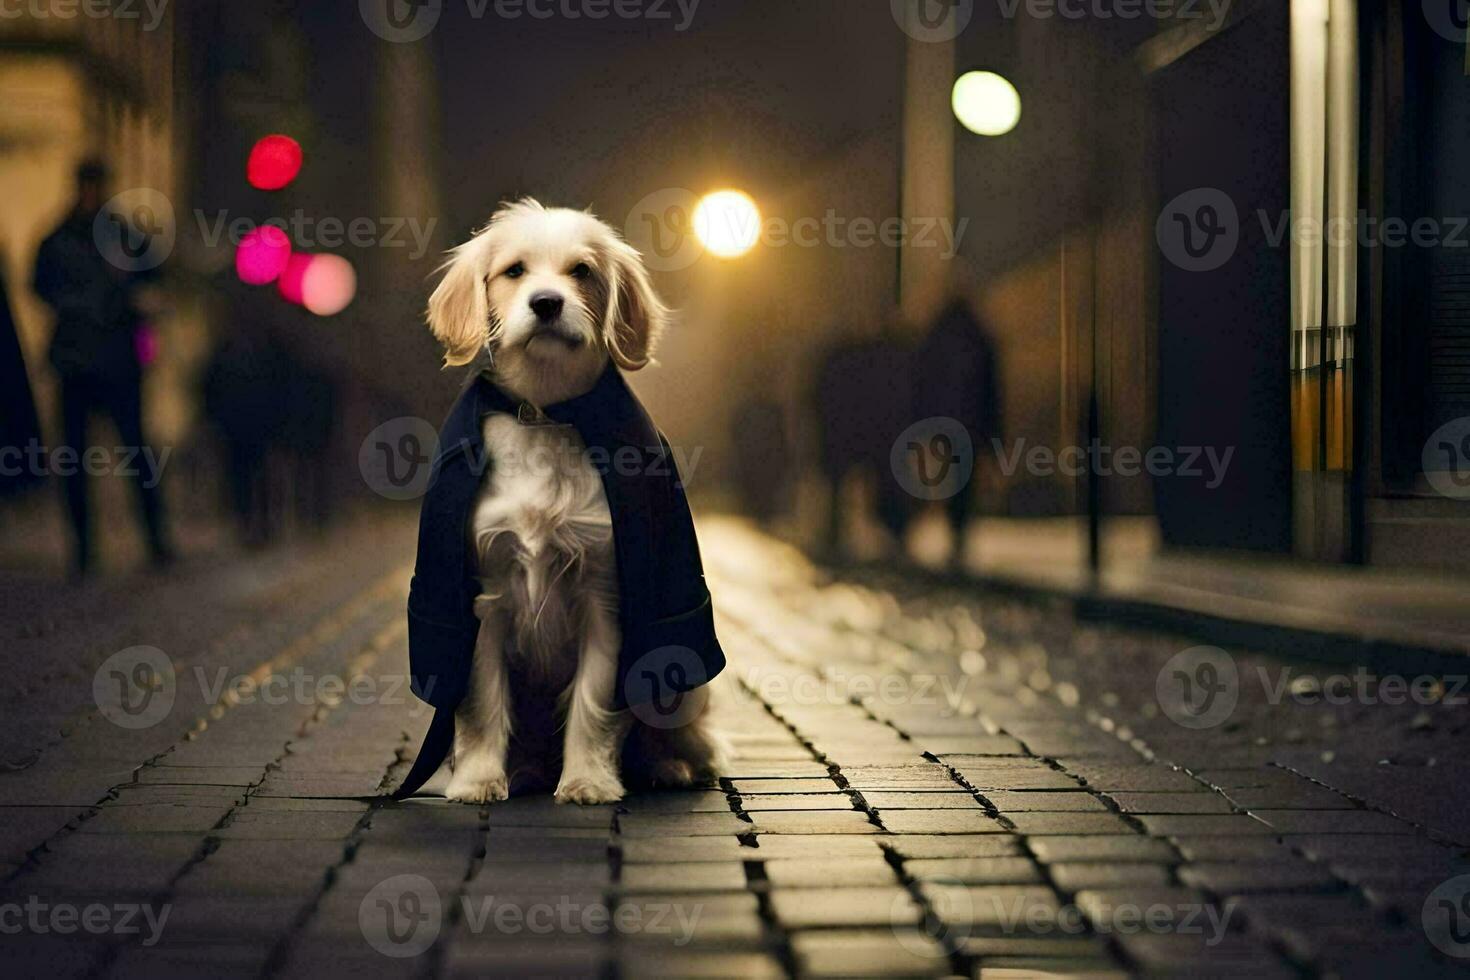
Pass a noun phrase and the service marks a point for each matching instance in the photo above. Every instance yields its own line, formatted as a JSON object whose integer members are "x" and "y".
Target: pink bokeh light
{"x": 263, "y": 255}
{"x": 328, "y": 285}
{"x": 274, "y": 162}
{"x": 291, "y": 284}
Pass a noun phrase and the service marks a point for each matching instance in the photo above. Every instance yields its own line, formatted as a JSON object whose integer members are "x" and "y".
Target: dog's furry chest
{"x": 542, "y": 533}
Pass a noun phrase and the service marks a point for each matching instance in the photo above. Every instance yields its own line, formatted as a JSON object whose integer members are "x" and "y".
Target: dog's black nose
{"x": 547, "y": 305}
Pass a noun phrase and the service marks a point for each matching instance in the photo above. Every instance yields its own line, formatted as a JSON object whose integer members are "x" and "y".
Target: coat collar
{"x": 606, "y": 416}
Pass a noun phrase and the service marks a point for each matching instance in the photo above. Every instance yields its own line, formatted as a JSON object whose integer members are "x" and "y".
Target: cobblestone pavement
{"x": 925, "y": 784}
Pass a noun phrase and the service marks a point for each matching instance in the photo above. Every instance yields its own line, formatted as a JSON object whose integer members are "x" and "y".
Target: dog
{"x": 552, "y": 295}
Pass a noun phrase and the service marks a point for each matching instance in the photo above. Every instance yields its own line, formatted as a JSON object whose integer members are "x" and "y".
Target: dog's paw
{"x": 477, "y": 791}
{"x": 589, "y": 789}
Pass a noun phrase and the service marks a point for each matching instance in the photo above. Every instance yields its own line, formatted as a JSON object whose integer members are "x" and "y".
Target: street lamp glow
{"x": 985, "y": 103}
{"x": 727, "y": 223}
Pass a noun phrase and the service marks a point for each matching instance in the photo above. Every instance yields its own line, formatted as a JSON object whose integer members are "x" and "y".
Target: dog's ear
{"x": 635, "y": 316}
{"x": 459, "y": 313}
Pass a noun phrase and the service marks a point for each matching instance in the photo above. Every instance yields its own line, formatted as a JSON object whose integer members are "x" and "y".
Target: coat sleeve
{"x": 441, "y": 621}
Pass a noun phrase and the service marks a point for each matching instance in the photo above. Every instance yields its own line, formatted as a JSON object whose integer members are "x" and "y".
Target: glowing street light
{"x": 985, "y": 103}
{"x": 727, "y": 223}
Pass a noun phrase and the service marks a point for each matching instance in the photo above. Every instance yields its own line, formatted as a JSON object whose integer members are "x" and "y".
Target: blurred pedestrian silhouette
{"x": 94, "y": 352}
{"x": 762, "y": 458}
{"x": 862, "y": 397}
{"x": 20, "y": 428}
{"x": 274, "y": 414}
{"x": 956, "y": 376}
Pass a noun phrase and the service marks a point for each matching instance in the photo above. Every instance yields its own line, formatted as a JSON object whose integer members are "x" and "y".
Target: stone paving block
{"x": 1303, "y": 797}
{"x": 1247, "y": 848}
{"x": 284, "y": 804}
{"x": 1333, "y": 822}
{"x": 975, "y": 871}
{"x": 1132, "y": 778}
{"x": 1044, "y": 801}
{"x": 1204, "y": 825}
{"x": 961, "y": 746}
{"x": 661, "y": 850}
{"x": 145, "y": 794}
{"x": 162, "y": 818}
{"x": 899, "y": 777}
{"x": 187, "y": 960}
{"x": 1323, "y": 846}
{"x": 251, "y": 867}
{"x": 1058, "y": 946}
{"x": 1171, "y": 802}
{"x": 975, "y": 821}
{"x": 1077, "y": 876}
{"x": 699, "y": 801}
{"x": 531, "y": 877}
{"x": 1308, "y": 925}
{"x": 321, "y": 785}
{"x": 687, "y": 964}
{"x": 683, "y": 825}
{"x": 1069, "y": 824}
{"x": 922, "y": 846}
{"x": 235, "y": 776}
{"x": 796, "y": 801}
{"x": 813, "y": 822}
{"x": 544, "y": 811}
{"x": 837, "y": 846}
{"x": 103, "y": 863}
{"x": 769, "y": 786}
{"x": 679, "y": 920}
{"x": 960, "y": 799}
{"x": 824, "y": 872}
{"x": 805, "y": 908}
{"x": 247, "y": 824}
{"x": 868, "y": 953}
{"x": 1204, "y": 954}
{"x": 1168, "y": 909}
{"x": 1016, "y": 778}
{"x": 475, "y": 956}
{"x": 225, "y": 917}
{"x": 1007, "y": 968}
{"x": 25, "y": 828}
{"x": 757, "y": 769}
{"x": 1251, "y": 777}
{"x": 1233, "y": 878}
{"x": 1012, "y": 910}
{"x": 694, "y": 876}
{"x": 1102, "y": 848}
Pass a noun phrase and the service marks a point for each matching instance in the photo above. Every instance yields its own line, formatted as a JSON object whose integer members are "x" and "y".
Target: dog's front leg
{"x": 482, "y": 723}
{"x": 595, "y": 732}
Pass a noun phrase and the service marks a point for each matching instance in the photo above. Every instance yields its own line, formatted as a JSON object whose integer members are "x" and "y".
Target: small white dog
{"x": 552, "y": 294}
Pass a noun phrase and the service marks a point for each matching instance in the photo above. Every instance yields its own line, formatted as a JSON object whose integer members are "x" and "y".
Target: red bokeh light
{"x": 274, "y": 162}
{"x": 263, "y": 255}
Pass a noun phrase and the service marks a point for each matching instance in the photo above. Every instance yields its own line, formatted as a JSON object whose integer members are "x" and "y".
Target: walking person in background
{"x": 956, "y": 377}
{"x": 19, "y": 426}
{"x": 94, "y": 352}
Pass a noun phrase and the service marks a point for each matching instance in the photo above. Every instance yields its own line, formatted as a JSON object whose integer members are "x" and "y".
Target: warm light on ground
{"x": 727, "y": 223}
{"x": 985, "y": 103}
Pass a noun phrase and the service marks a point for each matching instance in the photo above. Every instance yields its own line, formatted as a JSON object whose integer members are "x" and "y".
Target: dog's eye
{"x": 581, "y": 270}
{"x": 516, "y": 271}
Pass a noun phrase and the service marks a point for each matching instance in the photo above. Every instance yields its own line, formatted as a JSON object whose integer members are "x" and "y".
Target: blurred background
{"x": 975, "y": 245}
